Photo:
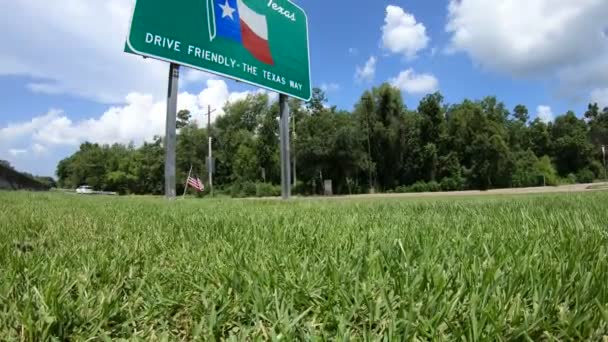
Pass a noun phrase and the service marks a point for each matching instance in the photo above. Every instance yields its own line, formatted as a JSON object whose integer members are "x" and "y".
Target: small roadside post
{"x": 262, "y": 43}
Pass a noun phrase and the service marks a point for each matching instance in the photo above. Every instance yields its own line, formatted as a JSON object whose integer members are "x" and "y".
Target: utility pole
{"x": 605, "y": 169}
{"x": 210, "y": 143}
{"x": 170, "y": 136}
{"x": 369, "y": 151}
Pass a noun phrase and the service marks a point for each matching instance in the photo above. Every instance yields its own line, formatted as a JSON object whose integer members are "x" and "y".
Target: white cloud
{"x": 401, "y": 34}
{"x": 561, "y": 39}
{"x": 330, "y": 87}
{"x": 189, "y": 76}
{"x": 54, "y": 135}
{"x": 526, "y": 37}
{"x": 578, "y": 81}
{"x": 410, "y": 82}
{"x": 367, "y": 72}
{"x": 45, "y": 88}
{"x": 76, "y": 48}
{"x": 600, "y": 96}
{"x": 16, "y": 152}
{"x": 138, "y": 120}
{"x": 39, "y": 149}
{"x": 545, "y": 114}
{"x": 13, "y": 132}
{"x": 353, "y": 51}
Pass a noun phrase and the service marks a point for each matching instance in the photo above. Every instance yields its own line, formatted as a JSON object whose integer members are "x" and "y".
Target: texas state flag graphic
{"x": 235, "y": 21}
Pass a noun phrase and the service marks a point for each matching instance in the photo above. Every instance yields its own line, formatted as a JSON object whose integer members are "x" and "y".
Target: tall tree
{"x": 386, "y": 134}
{"x": 572, "y": 151}
{"x": 183, "y": 118}
{"x": 520, "y": 113}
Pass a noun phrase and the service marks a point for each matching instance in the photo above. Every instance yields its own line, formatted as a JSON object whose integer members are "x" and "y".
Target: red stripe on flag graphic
{"x": 256, "y": 45}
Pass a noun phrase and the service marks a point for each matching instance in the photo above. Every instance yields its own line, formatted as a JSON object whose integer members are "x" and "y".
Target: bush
{"x": 570, "y": 179}
{"x": 424, "y": 187}
{"x": 243, "y": 189}
{"x": 401, "y": 189}
{"x": 454, "y": 183}
{"x": 235, "y": 190}
{"x": 417, "y": 187}
{"x": 545, "y": 169}
{"x": 585, "y": 176}
{"x": 267, "y": 190}
{"x": 598, "y": 169}
{"x": 299, "y": 188}
{"x": 253, "y": 189}
{"x": 434, "y": 186}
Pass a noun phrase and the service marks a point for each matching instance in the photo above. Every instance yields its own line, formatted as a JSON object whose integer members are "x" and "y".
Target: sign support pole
{"x": 210, "y": 160}
{"x": 170, "y": 136}
{"x": 285, "y": 155}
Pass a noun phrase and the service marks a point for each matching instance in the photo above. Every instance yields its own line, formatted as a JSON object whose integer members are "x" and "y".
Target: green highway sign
{"x": 261, "y": 42}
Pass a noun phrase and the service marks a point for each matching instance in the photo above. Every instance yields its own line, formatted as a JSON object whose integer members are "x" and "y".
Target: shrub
{"x": 585, "y": 176}
{"x": 267, "y": 190}
{"x": 424, "y": 187}
{"x": 417, "y": 187}
{"x": 598, "y": 169}
{"x": 526, "y": 172}
{"x": 434, "y": 186}
{"x": 253, "y": 189}
{"x": 235, "y": 190}
{"x": 401, "y": 189}
{"x": 545, "y": 168}
{"x": 299, "y": 188}
{"x": 570, "y": 179}
{"x": 454, "y": 183}
{"x": 243, "y": 189}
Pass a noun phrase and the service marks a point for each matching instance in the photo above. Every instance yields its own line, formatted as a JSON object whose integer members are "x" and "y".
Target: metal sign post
{"x": 170, "y": 138}
{"x": 285, "y": 155}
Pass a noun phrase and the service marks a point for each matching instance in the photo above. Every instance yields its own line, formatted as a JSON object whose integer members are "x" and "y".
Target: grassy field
{"x": 492, "y": 268}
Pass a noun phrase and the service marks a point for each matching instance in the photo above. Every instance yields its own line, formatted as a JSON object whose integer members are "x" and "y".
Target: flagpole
{"x": 186, "y": 186}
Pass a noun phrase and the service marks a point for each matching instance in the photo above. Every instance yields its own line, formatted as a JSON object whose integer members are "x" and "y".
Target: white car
{"x": 84, "y": 189}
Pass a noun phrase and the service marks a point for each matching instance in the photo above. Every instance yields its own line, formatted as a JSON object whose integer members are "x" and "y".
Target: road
{"x": 575, "y": 188}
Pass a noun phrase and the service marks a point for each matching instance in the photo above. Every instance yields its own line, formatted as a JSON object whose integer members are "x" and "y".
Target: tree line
{"x": 379, "y": 146}
{"x": 45, "y": 181}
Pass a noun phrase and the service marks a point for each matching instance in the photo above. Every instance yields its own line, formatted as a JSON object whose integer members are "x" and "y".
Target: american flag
{"x": 196, "y": 183}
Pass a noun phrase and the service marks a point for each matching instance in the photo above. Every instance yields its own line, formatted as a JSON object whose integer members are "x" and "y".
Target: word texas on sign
{"x": 262, "y": 42}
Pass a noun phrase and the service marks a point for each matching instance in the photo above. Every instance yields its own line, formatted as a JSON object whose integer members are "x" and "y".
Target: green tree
{"x": 521, "y": 114}
{"x": 183, "y": 118}
{"x": 149, "y": 168}
{"x": 385, "y": 131}
{"x": 539, "y": 138}
{"x": 6, "y": 164}
{"x": 572, "y": 150}
{"x": 317, "y": 101}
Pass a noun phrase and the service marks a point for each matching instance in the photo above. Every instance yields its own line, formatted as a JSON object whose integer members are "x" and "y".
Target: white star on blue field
{"x": 227, "y": 10}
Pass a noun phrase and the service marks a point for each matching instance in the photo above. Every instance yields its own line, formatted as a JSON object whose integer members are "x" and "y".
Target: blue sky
{"x": 64, "y": 78}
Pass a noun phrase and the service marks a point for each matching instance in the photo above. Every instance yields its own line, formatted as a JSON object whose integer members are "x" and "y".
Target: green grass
{"x": 489, "y": 268}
